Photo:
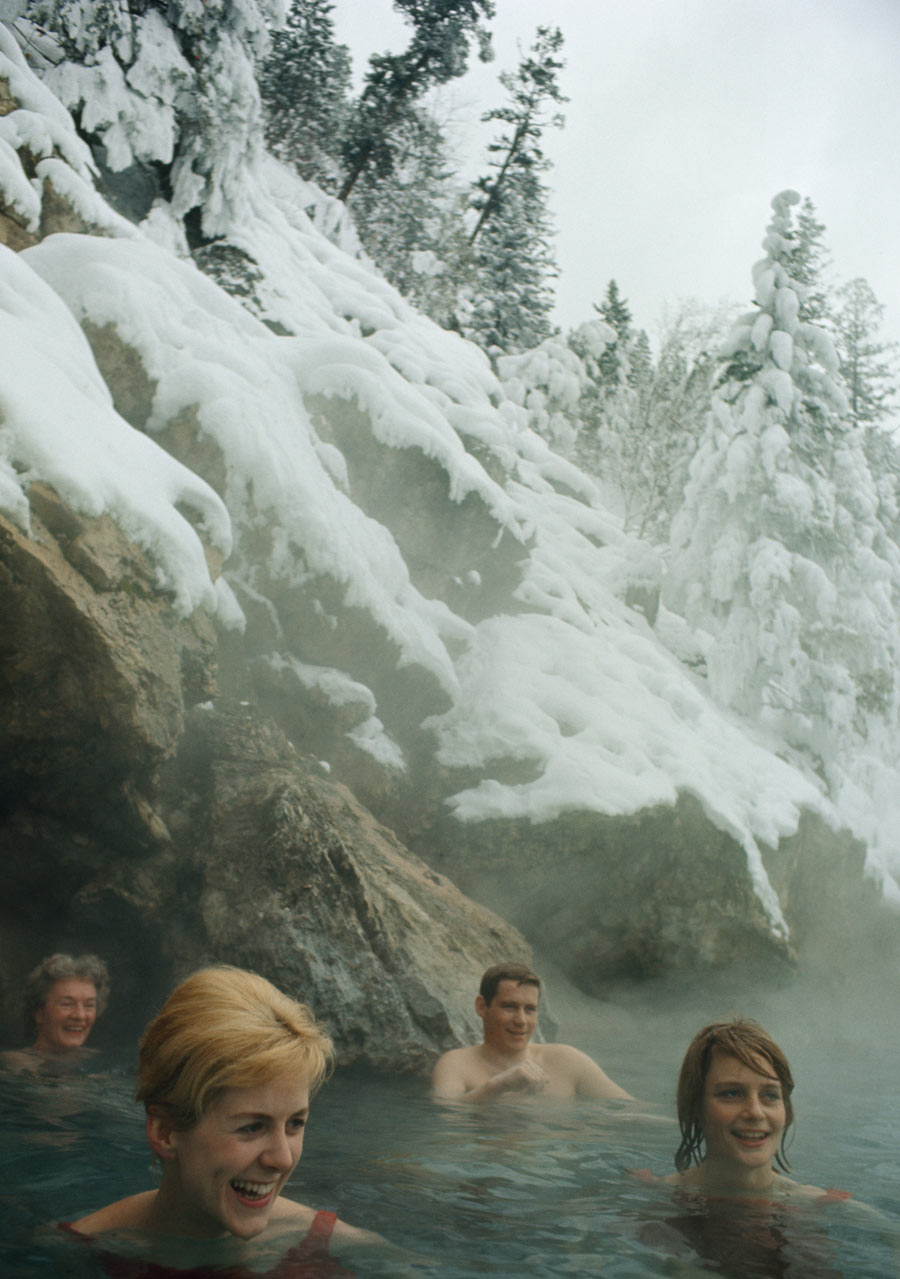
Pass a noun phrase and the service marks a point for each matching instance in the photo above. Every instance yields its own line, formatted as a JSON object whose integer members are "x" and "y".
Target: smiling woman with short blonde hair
{"x": 226, "y": 1071}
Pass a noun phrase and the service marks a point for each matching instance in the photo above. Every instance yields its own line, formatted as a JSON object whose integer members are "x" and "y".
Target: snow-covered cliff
{"x": 350, "y": 492}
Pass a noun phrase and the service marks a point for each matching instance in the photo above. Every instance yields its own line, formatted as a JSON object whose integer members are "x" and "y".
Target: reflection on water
{"x": 527, "y": 1190}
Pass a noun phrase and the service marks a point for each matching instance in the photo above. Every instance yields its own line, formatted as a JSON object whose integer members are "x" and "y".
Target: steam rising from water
{"x": 838, "y": 1025}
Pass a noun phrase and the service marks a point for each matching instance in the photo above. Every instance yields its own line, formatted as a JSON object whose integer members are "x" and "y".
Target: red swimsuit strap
{"x": 322, "y": 1227}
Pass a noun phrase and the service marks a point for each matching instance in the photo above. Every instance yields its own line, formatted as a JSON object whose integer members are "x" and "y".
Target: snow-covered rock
{"x": 422, "y": 592}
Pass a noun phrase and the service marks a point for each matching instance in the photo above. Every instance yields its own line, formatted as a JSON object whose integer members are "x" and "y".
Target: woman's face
{"x": 743, "y": 1112}
{"x": 67, "y": 1016}
{"x": 229, "y": 1167}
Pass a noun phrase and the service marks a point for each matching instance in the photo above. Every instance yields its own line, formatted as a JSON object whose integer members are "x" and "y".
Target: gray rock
{"x": 142, "y": 824}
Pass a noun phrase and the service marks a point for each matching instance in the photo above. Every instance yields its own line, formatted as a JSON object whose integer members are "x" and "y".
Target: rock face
{"x": 275, "y": 869}
{"x": 166, "y": 837}
{"x": 96, "y": 665}
{"x": 663, "y": 892}
{"x": 94, "y": 671}
{"x": 140, "y": 823}
{"x": 628, "y": 899}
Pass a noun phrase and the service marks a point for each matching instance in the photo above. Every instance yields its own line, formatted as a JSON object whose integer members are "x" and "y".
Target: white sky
{"x": 685, "y": 118}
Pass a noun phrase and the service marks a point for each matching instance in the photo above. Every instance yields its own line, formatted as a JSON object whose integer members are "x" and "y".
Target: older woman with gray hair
{"x": 64, "y": 996}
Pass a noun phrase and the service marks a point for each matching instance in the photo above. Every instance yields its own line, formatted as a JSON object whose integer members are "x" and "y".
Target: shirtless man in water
{"x": 507, "y": 1062}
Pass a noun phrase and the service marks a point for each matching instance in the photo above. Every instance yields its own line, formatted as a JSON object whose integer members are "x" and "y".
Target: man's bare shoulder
{"x": 457, "y": 1056}
{"x": 454, "y": 1072}
{"x": 576, "y": 1069}
{"x": 560, "y": 1053}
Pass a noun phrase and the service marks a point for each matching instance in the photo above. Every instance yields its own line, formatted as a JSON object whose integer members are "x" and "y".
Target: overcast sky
{"x": 685, "y": 118}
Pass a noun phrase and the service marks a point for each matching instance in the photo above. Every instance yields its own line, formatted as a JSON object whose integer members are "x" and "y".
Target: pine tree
{"x": 549, "y": 381}
{"x": 673, "y": 398}
{"x": 530, "y": 90}
{"x": 395, "y": 83}
{"x": 513, "y": 267}
{"x": 609, "y": 403}
{"x": 781, "y": 558}
{"x": 868, "y": 365}
{"x": 304, "y": 83}
{"x": 512, "y": 259}
{"x": 641, "y": 418}
{"x": 809, "y": 264}
{"x": 615, "y": 365}
{"x": 411, "y": 221}
{"x": 640, "y": 359}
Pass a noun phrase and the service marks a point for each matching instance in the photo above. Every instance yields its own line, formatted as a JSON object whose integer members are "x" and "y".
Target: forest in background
{"x": 478, "y": 257}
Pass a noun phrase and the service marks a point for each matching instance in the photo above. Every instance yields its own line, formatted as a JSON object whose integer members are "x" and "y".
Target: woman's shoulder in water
{"x": 133, "y": 1216}
{"x": 289, "y": 1215}
{"x": 28, "y": 1061}
{"x": 782, "y": 1187}
{"x": 129, "y": 1214}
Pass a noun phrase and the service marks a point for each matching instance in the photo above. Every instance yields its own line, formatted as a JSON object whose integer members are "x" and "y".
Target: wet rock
{"x": 665, "y": 894}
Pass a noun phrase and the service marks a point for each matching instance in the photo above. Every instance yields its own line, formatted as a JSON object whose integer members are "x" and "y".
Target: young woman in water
{"x": 734, "y": 1111}
{"x": 226, "y": 1072}
{"x": 736, "y": 1207}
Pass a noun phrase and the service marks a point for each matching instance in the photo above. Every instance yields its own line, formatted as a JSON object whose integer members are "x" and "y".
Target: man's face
{"x": 510, "y": 1019}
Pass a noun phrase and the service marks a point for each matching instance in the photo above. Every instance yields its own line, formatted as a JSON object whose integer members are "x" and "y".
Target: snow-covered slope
{"x": 564, "y": 674}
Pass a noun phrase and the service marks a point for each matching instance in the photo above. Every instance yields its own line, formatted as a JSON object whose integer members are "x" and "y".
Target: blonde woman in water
{"x": 226, "y": 1074}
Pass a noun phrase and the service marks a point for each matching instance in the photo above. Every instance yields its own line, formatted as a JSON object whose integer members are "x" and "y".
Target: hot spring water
{"x": 523, "y": 1190}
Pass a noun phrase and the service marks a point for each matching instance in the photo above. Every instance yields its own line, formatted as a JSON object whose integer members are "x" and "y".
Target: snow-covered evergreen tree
{"x": 551, "y": 380}
{"x": 512, "y": 259}
{"x": 673, "y": 398}
{"x": 513, "y": 267}
{"x": 781, "y": 559}
{"x": 411, "y": 220}
{"x": 615, "y": 365}
{"x": 640, "y": 357}
{"x": 305, "y": 84}
{"x": 809, "y": 264}
{"x": 169, "y": 83}
{"x": 611, "y": 402}
{"x": 396, "y": 83}
{"x": 868, "y": 364}
{"x": 609, "y": 405}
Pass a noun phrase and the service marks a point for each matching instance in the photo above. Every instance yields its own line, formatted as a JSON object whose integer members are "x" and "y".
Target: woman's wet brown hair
{"x": 739, "y": 1038}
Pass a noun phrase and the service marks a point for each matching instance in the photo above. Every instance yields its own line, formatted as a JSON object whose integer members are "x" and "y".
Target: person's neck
{"x": 722, "y": 1175}
{"x": 171, "y": 1240}
{"x": 165, "y": 1211}
{"x": 56, "y": 1052}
